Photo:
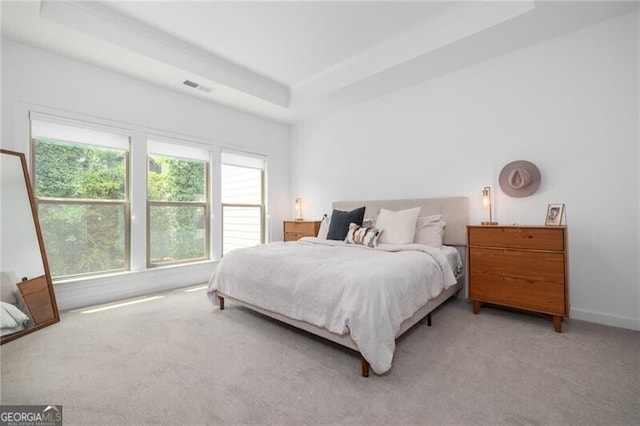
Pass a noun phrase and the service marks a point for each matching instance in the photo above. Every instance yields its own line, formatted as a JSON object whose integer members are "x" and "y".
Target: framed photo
{"x": 555, "y": 213}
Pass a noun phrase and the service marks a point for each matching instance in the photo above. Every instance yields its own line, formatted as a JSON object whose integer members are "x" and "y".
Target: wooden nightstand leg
{"x": 557, "y": 323}
{"x": 476, "y": 307}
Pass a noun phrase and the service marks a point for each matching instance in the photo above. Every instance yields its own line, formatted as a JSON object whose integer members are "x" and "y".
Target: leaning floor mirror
{"x": 28, "y": 300}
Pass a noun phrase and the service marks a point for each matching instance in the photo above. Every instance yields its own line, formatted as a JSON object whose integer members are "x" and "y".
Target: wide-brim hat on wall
{"x": 519, "y": 179}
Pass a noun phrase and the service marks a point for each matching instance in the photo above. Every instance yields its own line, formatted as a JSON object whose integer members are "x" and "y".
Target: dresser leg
{"x": 557, "y": 323}
{"x": 476, "y": 307}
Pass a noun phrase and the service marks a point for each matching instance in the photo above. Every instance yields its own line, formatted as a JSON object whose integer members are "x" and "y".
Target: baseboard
{"x": 104, "y": 289}
{"x": 598, "y": 318}
{"x": 605, "y": 319}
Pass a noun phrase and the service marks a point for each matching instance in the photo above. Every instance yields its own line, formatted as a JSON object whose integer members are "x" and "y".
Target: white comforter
{"x": 344, "y": 288}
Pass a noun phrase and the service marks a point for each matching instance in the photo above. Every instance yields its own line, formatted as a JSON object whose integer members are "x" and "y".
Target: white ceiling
{"x": 292, "y": 60}
{"x": 287, "y": 42}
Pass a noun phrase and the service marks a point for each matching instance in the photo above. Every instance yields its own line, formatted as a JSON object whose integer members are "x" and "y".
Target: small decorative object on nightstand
{"x": 521, "y": 267}
{"x": 488, "y": 202}
{"x": 296, "y": 229}
{"x": 299, "y": 209}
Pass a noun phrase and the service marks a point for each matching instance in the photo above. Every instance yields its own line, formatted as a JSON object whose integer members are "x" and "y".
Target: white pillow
{"x": 368, "y": 222}
{"x": 324, "y": 228}
{"x": 429, "y": 233}
{"x": 427, "y": 219}
{"x": 397, "y": 227}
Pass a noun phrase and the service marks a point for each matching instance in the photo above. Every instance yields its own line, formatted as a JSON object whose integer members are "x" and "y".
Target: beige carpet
{"x": 178, "y": 360}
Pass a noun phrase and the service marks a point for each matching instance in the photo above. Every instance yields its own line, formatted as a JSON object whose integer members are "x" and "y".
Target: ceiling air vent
{"x": 197, "y": 86}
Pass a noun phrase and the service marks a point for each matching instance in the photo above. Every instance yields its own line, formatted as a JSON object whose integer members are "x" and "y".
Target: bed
{"x": 359, "y": 297}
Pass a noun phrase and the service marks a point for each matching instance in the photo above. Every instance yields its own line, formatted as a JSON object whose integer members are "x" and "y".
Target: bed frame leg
{"x": 429, "y": 319}
{"x": 221, "y": 300}
{"x": 365, "y": 367}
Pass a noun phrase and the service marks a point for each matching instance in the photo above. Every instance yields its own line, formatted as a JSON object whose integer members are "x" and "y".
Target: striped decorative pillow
{"x": 363, "y": 236}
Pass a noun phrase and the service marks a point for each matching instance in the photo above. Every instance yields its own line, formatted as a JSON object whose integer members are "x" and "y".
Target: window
{"x": 81, "y": 190}
{"x": 177, "y": 204}
{"x": 113, "y": 199}
{"x": 243, "y": 210}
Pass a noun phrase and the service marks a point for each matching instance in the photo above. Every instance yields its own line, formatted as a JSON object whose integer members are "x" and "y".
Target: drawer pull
{"x": 527, "y": 280}
{"x": 529, "y": 236}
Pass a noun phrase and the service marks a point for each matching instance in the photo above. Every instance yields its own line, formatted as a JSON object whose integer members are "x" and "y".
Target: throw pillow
{"x": 429, "y": 233}
{"x": 397, "y": 227}
{"x": 366, "y": 236}
{"x": 324, "y": 228}
{"x": 340, "y": 221}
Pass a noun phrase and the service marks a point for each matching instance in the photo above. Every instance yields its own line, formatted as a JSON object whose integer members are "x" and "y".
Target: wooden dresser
{"x": 296, "y": 229}
{"x": 35, "y": 293}
{"x": 521, "y": 267}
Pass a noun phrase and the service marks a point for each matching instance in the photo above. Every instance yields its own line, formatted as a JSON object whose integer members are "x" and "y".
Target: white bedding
{"x": 454, "y": 259}
{"x": 12, "y": 319}
{"x": 345, "y": 288}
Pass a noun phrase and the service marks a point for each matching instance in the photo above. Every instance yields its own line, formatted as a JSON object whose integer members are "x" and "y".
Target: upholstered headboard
{"x": 454, "y": 210}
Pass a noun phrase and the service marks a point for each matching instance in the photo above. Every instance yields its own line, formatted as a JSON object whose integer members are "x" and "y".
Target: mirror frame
{"x": 43, "y": 254}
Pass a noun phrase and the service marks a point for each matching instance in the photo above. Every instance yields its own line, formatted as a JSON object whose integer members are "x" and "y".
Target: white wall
{"x": 32, "y": 77}
{"x": 570, "y": 105}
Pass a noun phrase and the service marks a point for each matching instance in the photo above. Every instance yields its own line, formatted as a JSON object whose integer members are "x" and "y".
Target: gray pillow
{"x": 340, "y": 221}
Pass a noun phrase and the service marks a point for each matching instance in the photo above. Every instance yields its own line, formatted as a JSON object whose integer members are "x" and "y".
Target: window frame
{"x": 139, "y": 136}
{"x": 261, "y": 206}
{"x": 206, "y": 204}
{"x": 263, "y": 196}
{"x": 83, "y": 201}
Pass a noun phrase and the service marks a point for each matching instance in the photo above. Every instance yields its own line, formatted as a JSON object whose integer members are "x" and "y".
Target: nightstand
{"x": 296, "y": 229}
{"x": 35, "y": 293}
{"x": 522, "y": 267}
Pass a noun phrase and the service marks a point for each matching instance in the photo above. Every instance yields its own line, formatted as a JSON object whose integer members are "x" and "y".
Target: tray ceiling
{"x": 289, "y": 61}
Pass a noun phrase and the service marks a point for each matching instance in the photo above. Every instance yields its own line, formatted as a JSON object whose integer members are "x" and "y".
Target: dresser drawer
{"x": 518, "y": 293}
{"x": 33, "y": 286}
{"x": 518, "y": 237}
{"x": 40, "y": 306}
{"x": 294, "y": 236}
{"x": 294, "y": 230}
{"x": 301, "y": 227}
{"x": 527, "y": 266}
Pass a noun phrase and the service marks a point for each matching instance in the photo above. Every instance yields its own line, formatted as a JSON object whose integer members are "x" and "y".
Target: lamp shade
{"x": 298, "y": 208}
{"x": 488, "y": 202}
